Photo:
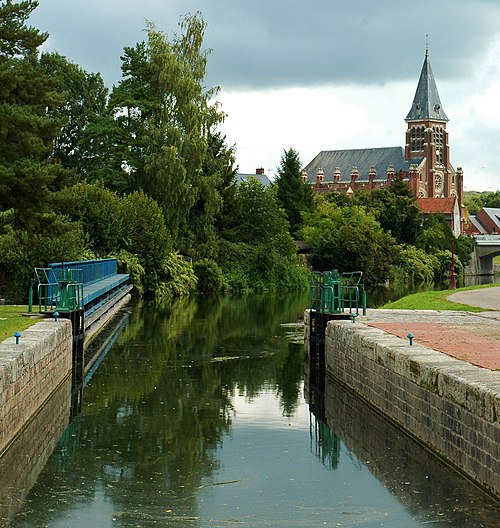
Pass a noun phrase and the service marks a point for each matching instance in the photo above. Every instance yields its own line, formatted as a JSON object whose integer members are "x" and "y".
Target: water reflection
{"x": 23, "y": 462}
{"x": 421, "y": 482}
{"x": 196, "y": 417}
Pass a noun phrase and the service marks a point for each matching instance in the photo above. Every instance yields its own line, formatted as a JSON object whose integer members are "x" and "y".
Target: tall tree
{"x": 295, "y": 196}
{"x": 185, "y": 114}
{"x": 27, "y": 98}
{"x": 85, "y": 101}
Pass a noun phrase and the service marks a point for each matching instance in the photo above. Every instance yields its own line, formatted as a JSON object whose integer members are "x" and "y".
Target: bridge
{"x": 487, "y": 247}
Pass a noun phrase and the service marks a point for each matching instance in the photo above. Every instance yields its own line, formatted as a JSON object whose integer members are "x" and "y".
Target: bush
{"x": 415, "y": 266}
{"x": 176, "y": 277}
{"x": 209, "y": 276}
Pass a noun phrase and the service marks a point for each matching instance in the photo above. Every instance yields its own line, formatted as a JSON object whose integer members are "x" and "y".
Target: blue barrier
{"x": 78, "y": 284}
{"x": 92, "y": 270}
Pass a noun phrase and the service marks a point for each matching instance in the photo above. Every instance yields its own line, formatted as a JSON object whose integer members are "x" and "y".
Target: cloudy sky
{"x": 316, "y": 75}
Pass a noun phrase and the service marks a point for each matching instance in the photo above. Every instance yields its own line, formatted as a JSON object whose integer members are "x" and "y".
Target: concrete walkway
{"x": 471, "y": 337}
{"x": 485, "y": 298}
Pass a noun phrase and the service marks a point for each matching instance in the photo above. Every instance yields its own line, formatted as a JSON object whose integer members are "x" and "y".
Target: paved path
{"x": 484, "y": 298}
{"x": 471, "y": 337}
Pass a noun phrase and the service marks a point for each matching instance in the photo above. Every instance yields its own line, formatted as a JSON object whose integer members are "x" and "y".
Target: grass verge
{"x": 12, "y": 321}
{"x": 436, "y": 300}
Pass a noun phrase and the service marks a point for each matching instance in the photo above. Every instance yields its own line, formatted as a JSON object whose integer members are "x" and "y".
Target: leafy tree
{"x": 85, "y": 101}
{"x": 28, "y": 100}
{"x": 492, "y": 199}
{"x": 348, "y": 239}
{"x": 258, "y": 252}
{"x": 31, "y": 233}
{"x": 295, "y": 196}
{"x": 394, "y": 207}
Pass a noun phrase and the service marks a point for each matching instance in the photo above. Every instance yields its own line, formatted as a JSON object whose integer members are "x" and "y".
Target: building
{"x": 486, "y": 222}
{"x": 259, "y": 175}
{"x": 424, "y": 161}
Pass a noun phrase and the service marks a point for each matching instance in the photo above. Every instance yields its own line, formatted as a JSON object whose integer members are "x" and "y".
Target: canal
{"x": 204, "y": 413}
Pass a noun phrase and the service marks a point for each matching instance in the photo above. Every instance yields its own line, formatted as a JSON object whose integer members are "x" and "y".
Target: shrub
{"x": 209, "y": 275}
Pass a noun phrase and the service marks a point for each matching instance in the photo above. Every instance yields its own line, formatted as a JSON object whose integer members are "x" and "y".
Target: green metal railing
{"x": 57, "y": 290}
{"x": 336, "y": 293}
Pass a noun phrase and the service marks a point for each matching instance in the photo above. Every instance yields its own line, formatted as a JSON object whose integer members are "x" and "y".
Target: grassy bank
{"x": 436, "y": 300}
{"x": 12, "y": 321}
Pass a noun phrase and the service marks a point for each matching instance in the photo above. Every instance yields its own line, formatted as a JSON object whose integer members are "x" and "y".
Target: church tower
{"x": 427, "y": 141}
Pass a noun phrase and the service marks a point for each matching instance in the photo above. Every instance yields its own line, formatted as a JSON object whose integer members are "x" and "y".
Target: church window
{"x": 417, "y": 138}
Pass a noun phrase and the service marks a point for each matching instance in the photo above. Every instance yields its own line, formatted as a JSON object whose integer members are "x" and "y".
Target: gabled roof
{"x": 494, "y": 215}
{"x": 426, "y": 104}
{"x": 240, "y": 178}
{"x": 437, "y": 205}
{"x": 476, "y": 227}
{"x": 362, "y": 159}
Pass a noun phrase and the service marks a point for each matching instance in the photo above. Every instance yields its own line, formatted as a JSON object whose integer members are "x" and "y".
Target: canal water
{"x": 205, "y": 413}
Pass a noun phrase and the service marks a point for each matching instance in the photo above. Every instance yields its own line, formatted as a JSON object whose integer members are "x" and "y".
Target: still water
{"x": 204, "y": 414}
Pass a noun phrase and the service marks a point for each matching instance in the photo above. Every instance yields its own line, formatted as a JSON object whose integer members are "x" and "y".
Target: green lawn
{"x": 435, "y": 300}
{"x": 12, "y": 321}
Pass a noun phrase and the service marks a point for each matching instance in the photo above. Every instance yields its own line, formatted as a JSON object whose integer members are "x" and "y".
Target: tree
{"x": 348, "y": 239}
{"x": 85, "y": 101}
{"x": 394, "y": 207}
{"x": 177, "y": 133}
{"x": 16, "y": 38}
{"x": 28, "y": 96}
{"x": 294, "y": 195}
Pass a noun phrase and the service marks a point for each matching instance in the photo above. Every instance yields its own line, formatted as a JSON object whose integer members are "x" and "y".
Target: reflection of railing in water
{"x": 326, "y": 444}
{"x": 420, "y": 481}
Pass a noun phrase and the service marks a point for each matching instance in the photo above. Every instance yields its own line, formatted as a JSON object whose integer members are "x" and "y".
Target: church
{"x": 424, "y": 161}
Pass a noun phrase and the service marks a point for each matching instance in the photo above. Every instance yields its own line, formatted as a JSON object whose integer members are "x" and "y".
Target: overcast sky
{"x": 316, "y": 75}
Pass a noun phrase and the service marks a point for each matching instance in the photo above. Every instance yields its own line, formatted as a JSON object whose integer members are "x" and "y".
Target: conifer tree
{"x": 294, "y": 195}
{"x": 27, "y": 97}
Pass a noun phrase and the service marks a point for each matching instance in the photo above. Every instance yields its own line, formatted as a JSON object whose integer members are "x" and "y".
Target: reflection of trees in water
{"x": 159, "y": 404}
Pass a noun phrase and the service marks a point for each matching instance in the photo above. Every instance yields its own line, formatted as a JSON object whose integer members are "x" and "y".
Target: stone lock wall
{"x": 30, "y": 372}
{"x": 450, "y": 406}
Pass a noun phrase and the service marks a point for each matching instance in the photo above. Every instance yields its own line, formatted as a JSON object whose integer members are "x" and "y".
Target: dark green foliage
{"x": 258, "y": 253}
{"x": 394, "y": 207}
{"x": 133, "y": 223}
{"x": 21, "y": 252}
{"x": 348, "y": 239}
{"x": 85, "y": 101}
{"x": 415, "y": 266}
{"x": 16, "y": 38}
{"x": 293, "y": 194}
{"x": 209, "y": 275}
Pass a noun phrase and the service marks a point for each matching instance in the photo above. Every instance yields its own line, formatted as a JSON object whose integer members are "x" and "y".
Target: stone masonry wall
{"x": 450, "y": 406}
{"x": 30, "y": 372}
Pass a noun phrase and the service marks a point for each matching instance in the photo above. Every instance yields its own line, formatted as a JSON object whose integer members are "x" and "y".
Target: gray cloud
{"x": 267, "y": 44}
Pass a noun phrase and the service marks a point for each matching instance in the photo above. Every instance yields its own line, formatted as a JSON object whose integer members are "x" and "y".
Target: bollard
{"x": 56, "y": 315}
{"x": 410, "y": 336}
{"x": 17, "y": 335}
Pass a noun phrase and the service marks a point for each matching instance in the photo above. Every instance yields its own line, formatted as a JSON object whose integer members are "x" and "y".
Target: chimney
{"x": 259, "y": 171}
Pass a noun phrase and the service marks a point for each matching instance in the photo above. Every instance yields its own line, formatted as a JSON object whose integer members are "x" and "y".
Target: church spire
{"x": 426, "y": 103}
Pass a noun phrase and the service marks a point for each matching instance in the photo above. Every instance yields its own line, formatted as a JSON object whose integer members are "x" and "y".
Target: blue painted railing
{"x": 77, "y": 284}
{"x": 92, "y": 270}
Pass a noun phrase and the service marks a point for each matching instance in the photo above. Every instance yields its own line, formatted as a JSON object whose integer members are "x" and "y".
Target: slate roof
{"x": 426, "y": 104}
{"x": 494, "y": 214}
{"x": 477, "y": 227}
{"x": 362, "y": 159}
{"x": 266, "y": 182}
